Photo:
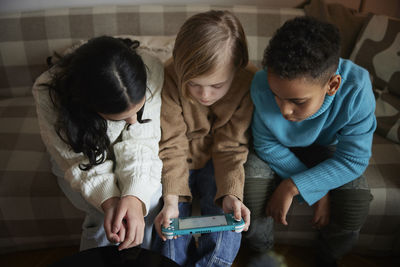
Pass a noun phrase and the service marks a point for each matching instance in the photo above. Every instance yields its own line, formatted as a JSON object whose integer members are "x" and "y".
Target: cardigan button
{"x": 189, "y": 160}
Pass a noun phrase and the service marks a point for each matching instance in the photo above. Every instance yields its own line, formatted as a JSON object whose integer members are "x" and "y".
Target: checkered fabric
{"x": 27, "y": 38}
{"x": 34, "y": 212}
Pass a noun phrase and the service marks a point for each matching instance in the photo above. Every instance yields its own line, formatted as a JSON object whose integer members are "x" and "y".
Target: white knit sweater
{"x": 137, "y": 169}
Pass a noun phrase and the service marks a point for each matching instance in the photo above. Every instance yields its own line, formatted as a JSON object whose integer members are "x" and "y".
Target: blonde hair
{"x": 202, "y": 42}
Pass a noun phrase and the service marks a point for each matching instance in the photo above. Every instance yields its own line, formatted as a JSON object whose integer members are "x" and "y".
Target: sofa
{"x": 34, "y": 213}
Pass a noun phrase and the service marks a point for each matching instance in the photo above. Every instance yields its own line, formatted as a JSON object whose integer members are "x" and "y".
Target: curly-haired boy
{"x": 312, "y": 126}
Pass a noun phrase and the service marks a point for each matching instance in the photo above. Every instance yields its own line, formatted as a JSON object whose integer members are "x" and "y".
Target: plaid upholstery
{"x": 28, "y": 38}
{"x": 33, "y": 211}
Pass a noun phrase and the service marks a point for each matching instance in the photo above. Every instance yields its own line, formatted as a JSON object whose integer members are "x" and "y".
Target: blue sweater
{"x": 345, "y": 119}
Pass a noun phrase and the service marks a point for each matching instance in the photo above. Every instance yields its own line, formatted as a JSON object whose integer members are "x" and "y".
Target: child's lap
{"x": 257, "y": 170}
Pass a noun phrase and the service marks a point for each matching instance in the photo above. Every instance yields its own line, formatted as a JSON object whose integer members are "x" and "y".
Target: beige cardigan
{"x": 192, "y": 134}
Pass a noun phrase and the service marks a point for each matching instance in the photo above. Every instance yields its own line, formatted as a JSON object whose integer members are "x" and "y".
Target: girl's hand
{"x": 281, "y": 200}
{"x": 231, "y": 203}
{"x": 129, "y": 219}
{"x": 109, "y": 207}
{"x": 170, "y": 210}
{"x": 321, "y": 212}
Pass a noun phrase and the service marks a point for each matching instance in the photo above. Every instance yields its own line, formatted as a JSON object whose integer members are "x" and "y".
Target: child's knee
{"x": 258, "y": 186}
{"x": 350, "y": 207}
{"x": 257, "y": 168}
{"x": 260, "y": 236}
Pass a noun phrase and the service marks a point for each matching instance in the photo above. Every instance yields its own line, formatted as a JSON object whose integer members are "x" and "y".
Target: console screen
{"x": 202, "y": 222}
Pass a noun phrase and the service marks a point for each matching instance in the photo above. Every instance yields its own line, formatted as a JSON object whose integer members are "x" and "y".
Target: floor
{"x": 304, "y": 257}
{"x": 293, "y": 257}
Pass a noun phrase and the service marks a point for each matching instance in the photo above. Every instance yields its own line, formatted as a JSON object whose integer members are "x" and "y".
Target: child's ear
{"x": 333, "y": 84}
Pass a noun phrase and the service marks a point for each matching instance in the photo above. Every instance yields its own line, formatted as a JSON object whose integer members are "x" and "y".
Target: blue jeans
{"x": 214, "y": 249}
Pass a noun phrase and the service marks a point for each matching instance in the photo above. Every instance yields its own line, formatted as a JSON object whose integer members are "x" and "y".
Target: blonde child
{"x": 206, "y": 112}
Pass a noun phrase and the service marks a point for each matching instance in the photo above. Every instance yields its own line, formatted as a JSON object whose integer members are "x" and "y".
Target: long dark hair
{"x": 104, "y": 75}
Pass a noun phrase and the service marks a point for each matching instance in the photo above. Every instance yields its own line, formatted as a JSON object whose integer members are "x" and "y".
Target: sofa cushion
{"x": 28, "y": 38}
{"x": 348, "y": 21}
{"x": 388, "y": 115}
{"x": 34, "y": 212}
{"x": 378, "y": 50}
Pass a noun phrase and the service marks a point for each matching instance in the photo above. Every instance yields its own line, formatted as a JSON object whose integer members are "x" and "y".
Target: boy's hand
{"x": 281, "y": 200}
{"x": 170, "y": 210}
{"x": 231, "y": 203}
{"x": 110, "y": 207}
{"x": 129, "y": 218}
{"x": 321, "y": 212}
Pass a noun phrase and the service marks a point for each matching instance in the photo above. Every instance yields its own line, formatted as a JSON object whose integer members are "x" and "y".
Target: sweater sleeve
{"x": 230, "y": 149}
{"x": 97, "y": 184}
{"x": 174, "y": 145}
{"x": 138, "y": 166}
{"x": 352, "y": 154}
{"x": 279, "y": 157}
{"x": 283, "y": 161}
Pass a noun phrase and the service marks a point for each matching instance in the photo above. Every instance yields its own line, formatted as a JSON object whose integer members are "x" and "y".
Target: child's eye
{"x": 299, "y": 102}
{"x": 217, "y": 86}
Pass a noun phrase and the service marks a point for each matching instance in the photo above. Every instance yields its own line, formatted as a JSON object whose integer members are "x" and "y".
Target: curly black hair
{"x": 104, "y": 75}
{"x": 303, "y": 47}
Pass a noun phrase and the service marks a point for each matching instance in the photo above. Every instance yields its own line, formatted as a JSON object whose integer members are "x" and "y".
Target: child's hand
{"x": 281, "y": 200}
{"x": 129, "y": 218}
{"x": 170, "y": 210}
{"x": 321, "y": 212}
{"x": 231, "y": 203}
{"x": 110, "y": 207}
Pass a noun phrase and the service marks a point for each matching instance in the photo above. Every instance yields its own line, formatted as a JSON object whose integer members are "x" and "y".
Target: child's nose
{"x": 205, "y": 93}
{"x": 286, "y": 109}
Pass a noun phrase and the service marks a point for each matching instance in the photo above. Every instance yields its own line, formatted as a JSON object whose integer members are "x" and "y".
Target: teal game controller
{"x": 202, "y": 225}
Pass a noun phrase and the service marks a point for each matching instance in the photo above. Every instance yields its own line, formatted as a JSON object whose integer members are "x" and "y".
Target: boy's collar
{"x": 327, "y": 102}
{"x": 328, "y": 98}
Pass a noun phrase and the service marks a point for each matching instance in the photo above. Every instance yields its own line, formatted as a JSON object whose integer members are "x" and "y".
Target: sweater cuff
{"x": 144, "y": 191}
{"x": 169, "y": 187}
{"x": 307, "y": 189}
{"x": 229, "y": 183}
{"x": 221, "y": 194}
{"x": 100, "y": 192}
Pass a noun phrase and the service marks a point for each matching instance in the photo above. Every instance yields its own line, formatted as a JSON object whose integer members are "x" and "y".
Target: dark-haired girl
{"x": 99, "y": 115}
